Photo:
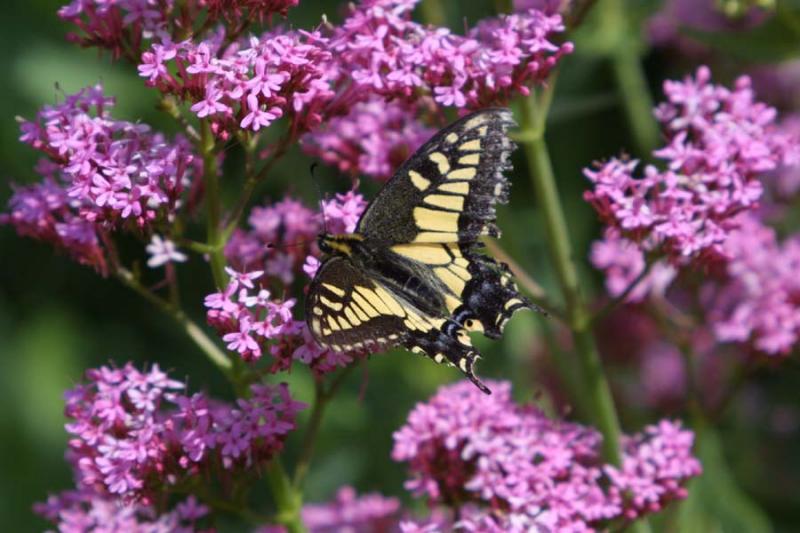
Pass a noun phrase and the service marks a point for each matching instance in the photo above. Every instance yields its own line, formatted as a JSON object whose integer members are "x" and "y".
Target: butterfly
{"x": 412, "y": 274}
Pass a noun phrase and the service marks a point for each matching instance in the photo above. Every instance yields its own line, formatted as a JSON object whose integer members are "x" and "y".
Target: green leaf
{"x": 716, "y": 502}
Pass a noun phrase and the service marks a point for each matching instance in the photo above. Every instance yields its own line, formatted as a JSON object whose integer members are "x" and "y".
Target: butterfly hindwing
{"x": 348, "y": 311}
{"x": 476, "y": 292}
{"x": 446, "y": 191}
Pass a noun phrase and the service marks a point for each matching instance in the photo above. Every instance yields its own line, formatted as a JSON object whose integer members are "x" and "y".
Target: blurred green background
{"x": 57, "y": 318}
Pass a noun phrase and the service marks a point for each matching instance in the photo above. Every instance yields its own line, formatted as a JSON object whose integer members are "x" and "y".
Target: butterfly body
{"x": 412, "y": 274}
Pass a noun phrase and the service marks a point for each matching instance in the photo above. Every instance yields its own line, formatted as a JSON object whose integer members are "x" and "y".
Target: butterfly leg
{"x": 449, "y": 345}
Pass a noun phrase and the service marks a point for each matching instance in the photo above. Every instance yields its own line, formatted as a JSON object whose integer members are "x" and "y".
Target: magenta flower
{"x": 523, "y": 471}
{"x": 283, "y": 238}
{"x": 125, "y": 26}
{"x": 720, "y": 143}
{"x": 623, "y": 262}
{"x": 757, "y": 300}
{"x": 350, "y": 512}
{"x": 101, "y": 175}
{"x": 249, "y": 84}
{"x": 133, "y": 432}
{"x": 388, "y": 54}
{"x": 342, "y": 213}
{"x": 246, "y": 317}
{"x": 373, "y": 139}
{"x": 83, "y": 510}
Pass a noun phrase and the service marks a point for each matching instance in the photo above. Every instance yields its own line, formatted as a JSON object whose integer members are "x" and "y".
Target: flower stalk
{"x": 192, "y": 330}
{"x": 214, "y": 235}
{"x": 534, "y": 112}
{"x": 624, "y": 56}
{"x": 599, "y": 400}
{"x": 322, "y": 398}
{"x": 288, "y": 500}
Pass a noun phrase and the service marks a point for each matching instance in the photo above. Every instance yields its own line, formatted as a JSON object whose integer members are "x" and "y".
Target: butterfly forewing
{"x": 446, "y": 191}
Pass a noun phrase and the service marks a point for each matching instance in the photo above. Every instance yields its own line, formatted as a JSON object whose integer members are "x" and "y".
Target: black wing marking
{"x": 447, "y": 190}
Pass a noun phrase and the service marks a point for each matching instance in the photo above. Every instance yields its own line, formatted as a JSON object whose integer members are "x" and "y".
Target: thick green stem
{"x": 636, "y": 100}
{"x": 288, "y": 500}
{"x": 558, "y": 240}
{"x": 433, "y": 12}
{"x": 598, "y": 400}
{"x": 310, "y": 437}
{"x": 195, "y": 332}
{"x": 214, "y": 235}
{"x": 624, "y": 47}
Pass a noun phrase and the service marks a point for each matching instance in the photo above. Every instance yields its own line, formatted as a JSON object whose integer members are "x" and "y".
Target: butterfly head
{"x": 338, "y": 244}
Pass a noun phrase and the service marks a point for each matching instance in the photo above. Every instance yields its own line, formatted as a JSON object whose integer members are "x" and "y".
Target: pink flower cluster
{"x": 373, "y": 139}
{"x": 83, "y": 511}
{"x": 246, "y": 316}
{"x": 720, "y": 142}
{"x": 378, "y": 51}
{"x": 387, "y": 53}
{"x": 281, "y": 236}
{"x": 341, "y": 213}
{"x": 623, "y": 262}
{"x": 100, "y": 175}
{"x": 133, "y": 432}
{"x": 784, "y": 183}
{"x": 125, "y": 26}
{"x": 523, "y": 471}
{"x": 249, "y": 84}
{"x": 368, "y": 513}
{"x": 758, "y": 300}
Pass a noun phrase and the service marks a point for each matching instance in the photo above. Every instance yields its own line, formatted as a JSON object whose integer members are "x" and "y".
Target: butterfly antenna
{"x": 274, "y": 246}
{"x": 319, "y": 196}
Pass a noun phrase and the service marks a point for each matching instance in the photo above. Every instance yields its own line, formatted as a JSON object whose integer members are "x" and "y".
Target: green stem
{"x": 544, "y": 184}
{"x": 634, "y": 94}
{"x": 636, "y": 100}
{"x": 433, "y": 12}
{"x": 310, "y": 437}
{"x": 596, "y": 389}
{"x": 251, "y": 182}
{"x": 169, "y": 105}
{"x": 288, "y": 500}
{"x": 321, "y": 400}
{"x": 621, "y": 297}
{"x": 214, "y": 235}
{"x": 195, "y": 332}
